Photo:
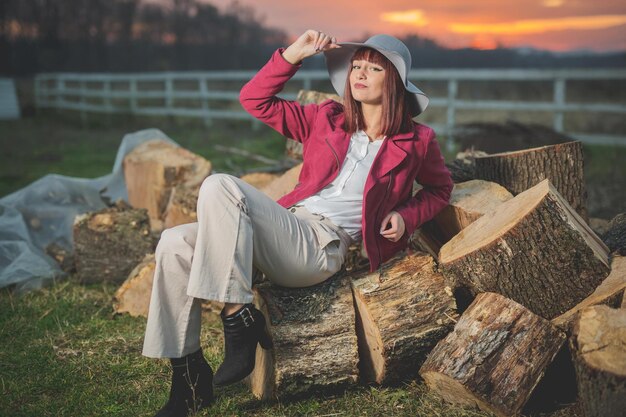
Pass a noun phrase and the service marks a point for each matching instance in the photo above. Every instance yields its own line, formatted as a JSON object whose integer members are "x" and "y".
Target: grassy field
{"x": 63, "y": 351}
{"x": 65, "y": 354}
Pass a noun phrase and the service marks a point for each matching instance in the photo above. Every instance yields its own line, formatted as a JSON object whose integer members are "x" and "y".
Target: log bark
{"x": 109, "y": 243}
{"x": 494, "y": 358}
{"x": 615, "y": 235}
{"x": 598, "y": 347}
{"x": 534, "y": 249}
{"x": 610, "y": 293}
{"x": 154, "y": 168}
{"x": 315, "y": 344}
{"x": 463, "y": 166}
{"x": 133, "y": 296}
{"x": 401, "y": 316}
{"x": 518, "y": 171}
{"x": 468, "y": 202}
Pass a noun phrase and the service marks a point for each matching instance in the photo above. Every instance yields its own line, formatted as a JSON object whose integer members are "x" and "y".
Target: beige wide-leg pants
{"x": 239, "y": 228}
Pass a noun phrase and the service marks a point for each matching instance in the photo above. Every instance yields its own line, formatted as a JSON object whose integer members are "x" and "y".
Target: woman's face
{"x": 366, "y": 82}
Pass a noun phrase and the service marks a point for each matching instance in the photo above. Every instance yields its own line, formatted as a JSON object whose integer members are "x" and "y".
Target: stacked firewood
{"x": 494, "y": 287}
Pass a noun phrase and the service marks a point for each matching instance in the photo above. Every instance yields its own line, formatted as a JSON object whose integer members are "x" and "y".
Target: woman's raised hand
{"x": 308, "y": 44}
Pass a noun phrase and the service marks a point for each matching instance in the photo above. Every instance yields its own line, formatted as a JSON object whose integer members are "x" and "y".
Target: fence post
{"x": 37, "y": 89}
{"x": 133, "y": 95}
{"x": 206, "y": 111}
{"x": 169, "y": 88}
{"x": 559, "y": 102}
{"x": 83, "y": 114}
{"x": 60, "y": 90}
{"x": 451, "y": 114}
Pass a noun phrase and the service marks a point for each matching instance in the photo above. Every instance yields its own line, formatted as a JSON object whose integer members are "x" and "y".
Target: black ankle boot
{"x": 192, "y": 386}
{"x": 242, "y": 331}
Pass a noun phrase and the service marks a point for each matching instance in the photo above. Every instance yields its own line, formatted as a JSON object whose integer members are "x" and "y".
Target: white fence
{"x": 190, "y": 94}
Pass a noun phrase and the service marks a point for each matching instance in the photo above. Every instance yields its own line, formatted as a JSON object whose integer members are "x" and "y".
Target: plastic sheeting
{"x": 43, "y": 213}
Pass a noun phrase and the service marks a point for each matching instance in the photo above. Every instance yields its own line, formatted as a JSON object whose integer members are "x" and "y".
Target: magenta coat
{"x": 401, "y": 159}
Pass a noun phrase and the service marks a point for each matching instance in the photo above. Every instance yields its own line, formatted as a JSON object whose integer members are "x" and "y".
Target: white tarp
{"x": 43, "y": 213}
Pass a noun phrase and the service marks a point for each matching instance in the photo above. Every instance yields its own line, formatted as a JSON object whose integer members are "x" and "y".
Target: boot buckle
{"x": 247, "y": 317}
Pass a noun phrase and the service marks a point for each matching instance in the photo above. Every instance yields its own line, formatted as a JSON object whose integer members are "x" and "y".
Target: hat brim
{"x": 338, "y": 65}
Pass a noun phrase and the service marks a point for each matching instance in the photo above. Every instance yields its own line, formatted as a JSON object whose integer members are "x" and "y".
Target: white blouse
{"x": 342, "y": 199}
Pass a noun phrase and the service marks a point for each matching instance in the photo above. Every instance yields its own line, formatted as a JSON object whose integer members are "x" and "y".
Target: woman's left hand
{"x": 392, "y": 227}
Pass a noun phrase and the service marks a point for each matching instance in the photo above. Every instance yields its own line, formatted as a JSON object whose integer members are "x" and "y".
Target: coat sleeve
{"x": 430, "y": 200}
{"x": 258, "y": 97}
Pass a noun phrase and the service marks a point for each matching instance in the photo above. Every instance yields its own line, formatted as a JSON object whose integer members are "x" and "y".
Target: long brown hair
{"x": 397, "y": 105}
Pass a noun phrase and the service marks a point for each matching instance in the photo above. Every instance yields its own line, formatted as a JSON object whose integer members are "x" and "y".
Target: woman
{"x": 360, "y": 161}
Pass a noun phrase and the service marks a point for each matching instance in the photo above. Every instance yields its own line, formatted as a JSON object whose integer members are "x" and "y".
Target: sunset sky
{"x": 557, "y": 25}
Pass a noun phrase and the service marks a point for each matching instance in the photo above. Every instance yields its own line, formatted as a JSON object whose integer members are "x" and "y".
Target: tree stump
{"x": 610, "y": 293}
{"x": 181, "y": 207}
{"x": 534, "y": 249}
{"x": 598, "y": 347}
{"x": 315, "y": 344}
{"x": 109, "y": 243}
{"x": 468, "y": 202}
{"x": 154, "y": 168}
{"x": 518, "y": 171}
{"x": 494, "y": 358}
{"x": 400, "y": 318}
{"x": 133, "y": 296}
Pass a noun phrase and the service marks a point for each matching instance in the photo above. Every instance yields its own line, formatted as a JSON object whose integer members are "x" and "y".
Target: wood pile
{"x": 515, "y": 238}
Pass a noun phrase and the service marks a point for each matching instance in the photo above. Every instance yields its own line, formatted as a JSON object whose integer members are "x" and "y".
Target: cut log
{"x": 400, "y": 317}
{"x": 462, "y": 167}
{"x": 133, "y": 296}
{"x": 283, "y": 184}
{"x": 181, "y": 207}
{"x": 610, "y": 293}
{"x": 109, "y": 243}
{"x": 259, "y": 179}
{"x": 315, "y": 344}
{"x": 494, "y": 358}
{"x": 153, "y": 168}
{"x": 293, "y": 149}
{"x": 598, "y": 347}
{"x": 468, "y": 202}
{"x": 64, "y": 257}
{"x": 534, "y": 249}
{"x": 518, "y": 171}
{"x": 615, "y": 235}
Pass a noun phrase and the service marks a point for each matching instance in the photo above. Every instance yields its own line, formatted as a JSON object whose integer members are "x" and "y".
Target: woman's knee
{"x": 214, "y": 184}
{"x": 172, "y": 241}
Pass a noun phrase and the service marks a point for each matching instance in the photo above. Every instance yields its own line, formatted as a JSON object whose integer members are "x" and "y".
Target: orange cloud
{"x": 524, "y": 27}
{"x": 553, "y": 3}
{"x": 414, "y": 17}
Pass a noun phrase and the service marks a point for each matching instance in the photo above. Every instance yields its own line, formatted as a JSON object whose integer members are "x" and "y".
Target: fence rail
{"x": 101, "y": 93}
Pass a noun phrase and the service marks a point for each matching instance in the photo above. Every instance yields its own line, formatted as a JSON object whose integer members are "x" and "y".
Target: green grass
{"x": 34, "y": 147}
{"x": 63, "y": 351}
{"x": 66, "y": 354}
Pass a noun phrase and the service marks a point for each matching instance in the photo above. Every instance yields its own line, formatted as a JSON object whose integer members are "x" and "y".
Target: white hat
{"x": 338, "y": 62}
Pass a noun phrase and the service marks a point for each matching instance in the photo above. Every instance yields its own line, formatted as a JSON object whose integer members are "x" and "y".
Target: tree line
{"x": 130, "y": 35}
{"x": 173, "y": 35}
